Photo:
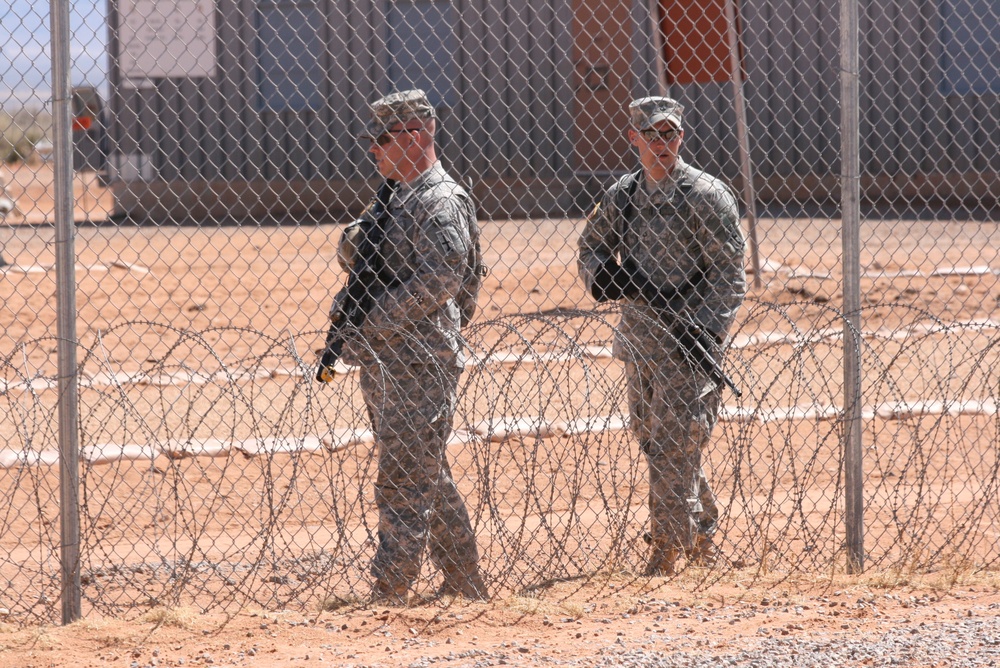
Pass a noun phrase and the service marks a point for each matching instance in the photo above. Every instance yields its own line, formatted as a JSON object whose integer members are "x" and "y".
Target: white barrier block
{"x": 208, "y": 447}
{"x": 460, "y": 437}
{"x": 528, "y": 358}
{"x": 806, "y": 272}
{"x": 762, "y": 338}
{"x": 828, "y": 333}
{"x": 175, "y": 378}
{"x": 112, "y": 379}
{"x": 591, "y": 425}
{"x": 899, "y": 410}
{"x": 28, "y": 269}
{"x": 505, "y": 427}
{"x": 768, "y": 266}
{"x": 35, "y": 385}
{"x": 978, "y": 270}
{"x": 972, "y": 407}
{"x": 106, "y": 453}
{"x": 899, "y": 273}
{"x": 741, "y": 414}
{"x": 115, "y": 378}
{"x": 240, "y": 374}
{"x": 599, "y": 352}
{"x": 981, "y": 322}
{"x": 907, "y": 409}
{"x": 285, "y": 372}
{"x": 10, "y": 459}
{"x": 341, "y": 369}
{"x": 809, "y": 412}
{"x": 136, "y": 268}
{"x": 278, "y": 445}
{"x": 342, "y": 438}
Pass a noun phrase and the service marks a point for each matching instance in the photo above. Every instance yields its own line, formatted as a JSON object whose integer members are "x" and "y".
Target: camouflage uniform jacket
{"x": 428, "y": 238}
{"x": 688, "y": 230}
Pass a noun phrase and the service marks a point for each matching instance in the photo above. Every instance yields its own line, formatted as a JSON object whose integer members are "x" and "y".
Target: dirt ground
{"x": 283, "y": 280}
{"x": 597, "y": 626}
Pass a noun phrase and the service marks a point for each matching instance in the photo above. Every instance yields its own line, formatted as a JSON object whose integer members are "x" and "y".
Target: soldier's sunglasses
{"x": 387, "y": 136}
{"x": 663, "y": 135}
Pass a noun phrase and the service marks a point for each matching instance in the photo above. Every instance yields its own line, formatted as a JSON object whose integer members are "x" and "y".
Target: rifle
{"x": 697, "y": 346}
{"x": 694, "y": 341}
{"x": 365, "y": 282}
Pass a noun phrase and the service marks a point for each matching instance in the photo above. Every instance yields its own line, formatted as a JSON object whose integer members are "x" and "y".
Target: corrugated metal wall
{"x": 512, "y": 124}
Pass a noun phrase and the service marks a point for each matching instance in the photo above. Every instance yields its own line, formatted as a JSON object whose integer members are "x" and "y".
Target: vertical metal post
{"x": 851, "y": 235}
{"x": 69, "y": 472}
{"x": 656, "y": 34}
{"x": 743, "y": 137}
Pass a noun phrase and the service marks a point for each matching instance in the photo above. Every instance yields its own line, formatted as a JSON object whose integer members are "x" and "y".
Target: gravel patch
{"x": 973, "y": 643}
{"x": 964, "y": 644}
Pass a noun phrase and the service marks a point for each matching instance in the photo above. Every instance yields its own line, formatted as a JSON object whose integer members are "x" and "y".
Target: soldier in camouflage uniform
{"x": 666, "y": 241}
{"x": 411, "y": 354}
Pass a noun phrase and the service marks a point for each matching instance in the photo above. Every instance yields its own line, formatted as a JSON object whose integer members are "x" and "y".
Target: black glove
{"x": 331, "y": 353}
{"x": 332, "y": 349}
{"x": 612, "y": 282}
{"x": 662, "y": 300}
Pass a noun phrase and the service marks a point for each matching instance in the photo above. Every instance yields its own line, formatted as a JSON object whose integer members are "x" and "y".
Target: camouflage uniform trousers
{"x": 411, "y": 409}
{"x": 672, "y": 415}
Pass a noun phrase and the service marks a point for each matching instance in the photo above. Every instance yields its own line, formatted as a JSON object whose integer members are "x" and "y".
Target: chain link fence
{"x": 216, "y": 160}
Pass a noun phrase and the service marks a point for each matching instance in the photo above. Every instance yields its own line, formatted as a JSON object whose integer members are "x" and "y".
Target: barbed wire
{"x": 222, "y": 481}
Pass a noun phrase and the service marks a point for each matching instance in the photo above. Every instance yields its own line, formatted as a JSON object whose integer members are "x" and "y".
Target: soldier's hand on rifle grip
{"x": 325, "y": 372}
{"x": 640, "y": 284}
{"x": 332, "y": 349}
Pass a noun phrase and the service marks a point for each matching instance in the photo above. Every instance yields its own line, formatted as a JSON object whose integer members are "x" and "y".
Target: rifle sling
{"x": 626, "y": 206}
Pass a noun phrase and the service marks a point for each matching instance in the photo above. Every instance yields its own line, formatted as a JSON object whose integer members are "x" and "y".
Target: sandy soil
{"x": 603, "y": 624}
{"x": 277, "y": 281}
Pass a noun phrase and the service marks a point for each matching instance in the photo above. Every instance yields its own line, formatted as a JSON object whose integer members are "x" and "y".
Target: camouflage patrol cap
{"x": 397, "y": 108}
{"x": 648, "y": 111}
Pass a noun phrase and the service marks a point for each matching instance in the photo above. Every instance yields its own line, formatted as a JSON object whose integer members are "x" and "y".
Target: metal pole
{"x": 851, "y": 233}
{"x": 6, "y": 206}
{"x": 69, "y": 472}
{"x": 743, "y": 137}
{"x": 656, "y": 34}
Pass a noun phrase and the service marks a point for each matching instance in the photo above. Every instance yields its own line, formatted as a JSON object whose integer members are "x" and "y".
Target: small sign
{"x": 167, "y": 38}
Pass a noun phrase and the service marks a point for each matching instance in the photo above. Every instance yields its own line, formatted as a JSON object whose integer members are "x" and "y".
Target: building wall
{"x": 532, "y": 98}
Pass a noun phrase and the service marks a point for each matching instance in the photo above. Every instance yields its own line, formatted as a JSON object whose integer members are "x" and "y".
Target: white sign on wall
{"x": 167, "y": 38}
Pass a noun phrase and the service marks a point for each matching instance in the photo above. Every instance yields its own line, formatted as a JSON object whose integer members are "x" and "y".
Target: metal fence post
{"x": 743, "y": 138}
{"x": 851, "y": 238}
{"x": 656, "y": 34}
{"x": 66, "y": 319}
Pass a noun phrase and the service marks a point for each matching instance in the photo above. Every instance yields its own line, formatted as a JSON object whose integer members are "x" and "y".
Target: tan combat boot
{"x": 385, "y": 594}
{"x": 662, "y": 562}
{"x": 470, "y": 587}
{"x": 704, "y": 553}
